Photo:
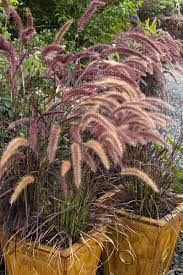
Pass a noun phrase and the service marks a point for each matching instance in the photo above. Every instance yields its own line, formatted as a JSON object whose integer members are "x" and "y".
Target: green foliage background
{"x": 156, "y": 8}
{"x": 105, "y": 23}
{"x": 14, "y": 3}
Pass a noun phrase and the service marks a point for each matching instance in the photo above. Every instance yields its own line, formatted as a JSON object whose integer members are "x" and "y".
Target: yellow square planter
{"x": 146, "y": 247}
{"x": 80, "y": 259}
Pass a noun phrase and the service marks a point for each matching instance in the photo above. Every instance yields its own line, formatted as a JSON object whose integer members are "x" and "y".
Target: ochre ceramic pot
{"x": 145, "y": 247}
{"x": 82, "y": 258}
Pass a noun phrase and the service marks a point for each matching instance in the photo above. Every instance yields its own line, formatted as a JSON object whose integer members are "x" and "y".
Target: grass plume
{"x": 65, "y": 167}
{"x": 140, "y": 174}
{"x": 76, "y": 162}
{"x": 53, "y": 142}
{"x": 12, "y": 147}
{"x": 24, "y": 182}
{"x": 60, "y": 34}
{"x": 98, "y": 148}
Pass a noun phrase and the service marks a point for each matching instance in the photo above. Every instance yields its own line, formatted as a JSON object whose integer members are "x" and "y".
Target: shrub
{"x": 151, "y": 9}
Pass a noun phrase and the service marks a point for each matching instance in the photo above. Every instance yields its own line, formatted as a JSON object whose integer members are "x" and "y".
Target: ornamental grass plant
{"x": 72, "y": 117}
{"x": 164, "y": 52}
{"x": 163, "y": 167}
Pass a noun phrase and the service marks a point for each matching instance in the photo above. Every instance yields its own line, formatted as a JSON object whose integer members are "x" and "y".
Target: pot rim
{"x": 96, "y": 235}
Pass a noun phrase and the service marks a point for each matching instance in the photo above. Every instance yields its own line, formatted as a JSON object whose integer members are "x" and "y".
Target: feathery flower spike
{"x": 24, "y": 182}
{"x": 12, "y": 147}
{"x": 140, "y": 174}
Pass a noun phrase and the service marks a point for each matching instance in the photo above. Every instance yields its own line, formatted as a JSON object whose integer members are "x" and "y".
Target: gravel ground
{"x": 176, "y": 98}
{"x": 175, "y": 88}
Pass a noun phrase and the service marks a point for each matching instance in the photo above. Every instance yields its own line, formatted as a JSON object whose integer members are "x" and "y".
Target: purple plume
{"x": 93, "y": 6}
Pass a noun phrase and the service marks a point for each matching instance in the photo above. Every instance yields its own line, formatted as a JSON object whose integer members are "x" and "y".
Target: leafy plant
{"x": 176, "y": 160}
{"x": 151, "y": 27}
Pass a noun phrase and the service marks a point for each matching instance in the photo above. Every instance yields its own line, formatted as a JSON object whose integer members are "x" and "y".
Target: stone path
{"x": 175, "y": 89}
{"x": 176, "y": 98}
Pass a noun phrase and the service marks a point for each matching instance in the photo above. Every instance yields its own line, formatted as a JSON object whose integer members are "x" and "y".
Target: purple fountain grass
{"x": 170, "y": 47}
{"x": 90, "y": 10}
{"x": 8, "y": 49}
{"x": 60, "y": 34}
{"x": 87, "y": 158}
{"x": 21, "y": 185}
{"x": 98, "y": 148}
{"x": 101, "y": 88}
{"x": 53, "y": 142}
{"x": 20, "y": 122}
{"x": 140, "y": 174}
{"x": 97, "y": 73}
{"x": 28, "y": 31}
{"x": 94, "y": 112}
{"x": 127, "y": 108}
{"x": 156, "y": 138}
{"x": 111, "y": 137}
{"x": 97, "y": 118}
{"x": 135, "y": 63}
{"x": 30, "y": 20}
{"x": 25, "y": 32}
{"x": 128, "y": 116}
{"x": 10, "y": 161}
{"x": 161, "y": 50}
{"x": 76, "y": 162}
{"x": 123, "y": 51}
{"x": 138, "y": 37}
{"x": 130, "y": 123}
{"x": 64, "y": 169}
{"x": 119, "y": 85}
{"x": 12, "y": 148}
{"x": 60, "y": 60}
{"x": 11, "y": 12}
{"x": 51, "y": 50}
{"x": 33, "y": 134}
{"x": 26, "y": 35}
{"x": 100, "y": 102}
